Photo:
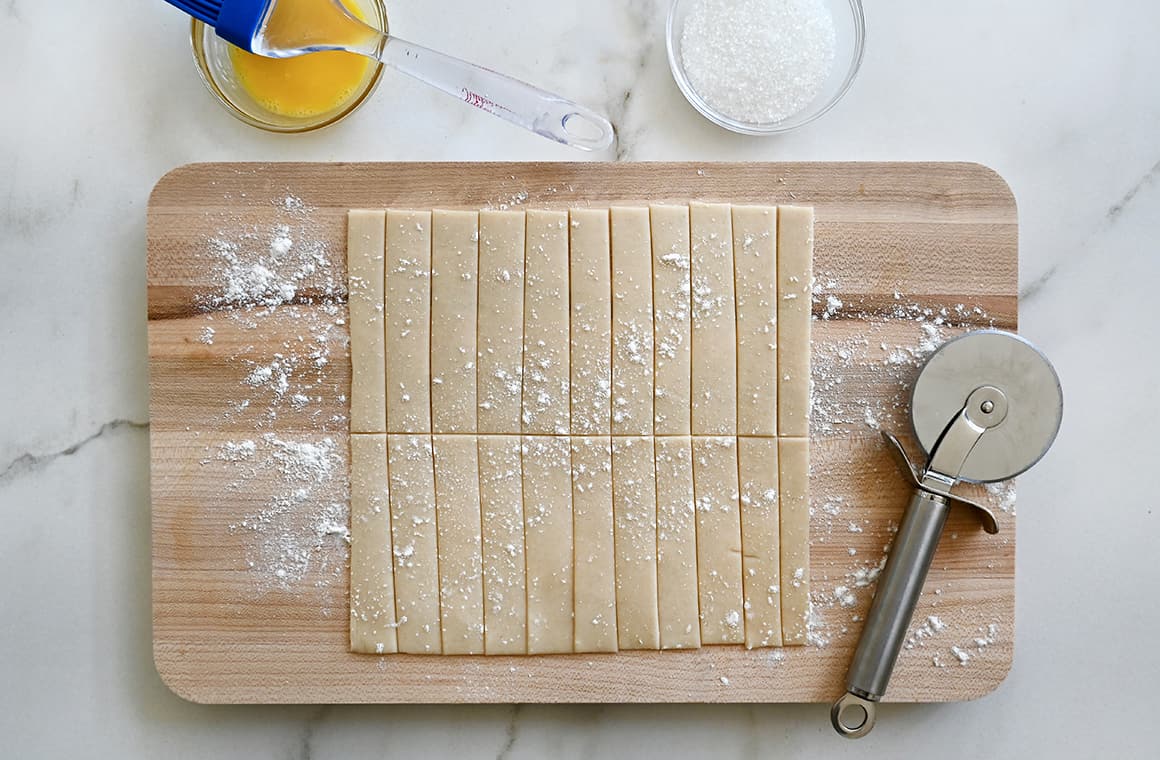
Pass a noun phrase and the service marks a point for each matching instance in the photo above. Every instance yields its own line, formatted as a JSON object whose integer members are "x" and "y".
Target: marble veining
{"x": 30, "y": 464}
{"x": 101, "y": 99}
{"x": 1028, "y": 291}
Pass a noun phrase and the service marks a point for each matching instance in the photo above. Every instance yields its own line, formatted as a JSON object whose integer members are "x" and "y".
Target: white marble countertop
{"x": 101, "y": 99}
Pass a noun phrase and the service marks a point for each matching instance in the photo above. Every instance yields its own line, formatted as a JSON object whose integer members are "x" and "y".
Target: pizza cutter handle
{"x": 899, "y": 587}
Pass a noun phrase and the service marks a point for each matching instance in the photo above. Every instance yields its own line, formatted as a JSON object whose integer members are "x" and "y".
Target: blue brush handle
{"x": 236, "y": 21}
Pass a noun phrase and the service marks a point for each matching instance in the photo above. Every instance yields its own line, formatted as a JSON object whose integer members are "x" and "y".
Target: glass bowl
{"x": 211, "y": 54}
{"x": 850, "y": 30}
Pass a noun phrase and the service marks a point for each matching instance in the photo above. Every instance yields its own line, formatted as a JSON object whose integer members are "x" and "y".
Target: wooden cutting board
{"x": 906, "y": 255}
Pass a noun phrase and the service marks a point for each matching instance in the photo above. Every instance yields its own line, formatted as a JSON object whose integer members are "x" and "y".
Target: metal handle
{"x": 897, "y": 595}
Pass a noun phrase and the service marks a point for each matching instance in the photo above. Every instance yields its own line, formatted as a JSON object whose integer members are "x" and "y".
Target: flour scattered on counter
{"x": 873, "y": 358}
{"x": 928, "y": 629}
{"x": 864, "y": 576}
{"x": 844, "y": 596}
{"x": 962, "y": 654}
{"x": 292, "y": 204}
{"x": 267, "y": 269}
{"x": 281, "y": 244}
{"x": 833, "y": 306}
{"x": 239, "y": 451}
{"x": 1004, "y": 492}
{"x": 866, "y": 355}
{"x": 302, "y": 527}
{"x": 279, "y": 293}
{"x": 304, "y": 461}
{"x": 280, "y": 282}
{"x": 818, "y": 630}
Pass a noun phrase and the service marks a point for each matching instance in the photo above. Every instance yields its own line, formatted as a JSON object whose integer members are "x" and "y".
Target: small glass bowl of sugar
{"x": 760, "y": 67}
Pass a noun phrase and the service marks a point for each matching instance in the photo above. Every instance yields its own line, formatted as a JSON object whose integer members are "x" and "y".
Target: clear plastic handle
{"x": 548, "y": 115}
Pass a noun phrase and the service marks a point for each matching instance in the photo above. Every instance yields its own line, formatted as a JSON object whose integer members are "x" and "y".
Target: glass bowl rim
{"x": 787, "y": 124}
{"x": 198, "y": 30}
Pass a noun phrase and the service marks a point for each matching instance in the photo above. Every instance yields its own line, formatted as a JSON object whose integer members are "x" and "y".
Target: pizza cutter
{"x": 986, "y": 407}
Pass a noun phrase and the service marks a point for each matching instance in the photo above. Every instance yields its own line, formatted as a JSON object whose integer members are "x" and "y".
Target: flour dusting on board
{"x": 276, "y": 300}
{"x": 300, "y": 525}
{"x": 879, "y": 349}
{"x": 873, "y": 354}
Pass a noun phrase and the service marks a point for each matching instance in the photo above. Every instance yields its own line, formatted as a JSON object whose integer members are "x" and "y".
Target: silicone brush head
{"x": 235, "y": 21}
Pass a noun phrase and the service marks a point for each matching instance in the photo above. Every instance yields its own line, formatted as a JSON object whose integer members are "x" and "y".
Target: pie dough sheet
{"x": 591, "y": 322}
{"x": 679, "y": 611}
{"x": 672, "y": 338}
{"x": 718, "y": 540}
{"x": 372, "y": 572}
{"x": 595, "y": 548}
{"x": 632, "y": 322}
{"x": 364, "y": 254}
{"x": 794, "y": 474}
{"x": 755, "y": 266}
{"x": 411, "y": 470}
{"x": 523, "y": 478}
{"x": 501, "y": 321}
{"x": 634, "y": 502}
{"x": 408, "y": 321}
{"x": 714, "y": 358}
{"x": 547, "y": 468}
{"x": 760, "y": 541}
{"x": 501, "y": 496}
{"x": 547, "y": 363}
{"x": 454, "y": 285}
{"x": 457, "y": 517}
{"x": 795, "y": 245}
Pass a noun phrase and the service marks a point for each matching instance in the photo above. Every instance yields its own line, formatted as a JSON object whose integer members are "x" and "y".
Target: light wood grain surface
{"x": 887, "y": 235}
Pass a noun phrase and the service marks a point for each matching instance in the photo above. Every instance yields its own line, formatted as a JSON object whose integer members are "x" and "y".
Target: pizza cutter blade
{"x": 986, "y": 407}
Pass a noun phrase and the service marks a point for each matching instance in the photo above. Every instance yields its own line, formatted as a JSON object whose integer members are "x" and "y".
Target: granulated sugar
{"x": 758, "y": 61}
